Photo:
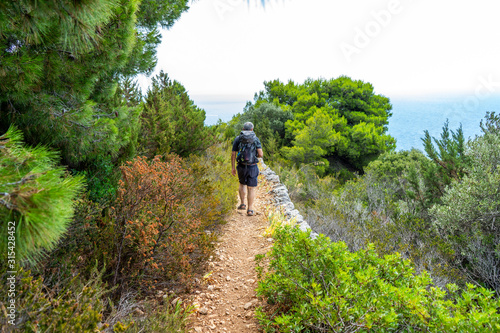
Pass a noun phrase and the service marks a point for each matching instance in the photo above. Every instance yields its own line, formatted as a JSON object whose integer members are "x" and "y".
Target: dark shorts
{"x": 247, "y": 174}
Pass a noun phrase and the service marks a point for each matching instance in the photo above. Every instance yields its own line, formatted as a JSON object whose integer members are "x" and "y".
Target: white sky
{"x": 224, "y": 49}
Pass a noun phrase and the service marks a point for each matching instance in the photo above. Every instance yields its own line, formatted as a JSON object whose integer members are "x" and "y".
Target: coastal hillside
{"x": 120, "y": 209}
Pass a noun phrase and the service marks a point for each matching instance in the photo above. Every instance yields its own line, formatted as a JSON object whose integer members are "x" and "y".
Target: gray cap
{"x": 248, "y": 126}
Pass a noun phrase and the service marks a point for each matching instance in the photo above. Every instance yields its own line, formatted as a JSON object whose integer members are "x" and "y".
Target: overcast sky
{"x": 225, "y": 49}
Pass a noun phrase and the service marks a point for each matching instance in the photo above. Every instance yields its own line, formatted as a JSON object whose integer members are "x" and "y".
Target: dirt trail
{"x": 227, "y": 301}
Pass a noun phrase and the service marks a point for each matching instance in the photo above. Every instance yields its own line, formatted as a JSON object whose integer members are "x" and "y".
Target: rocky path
{"x": 227, "y": 300}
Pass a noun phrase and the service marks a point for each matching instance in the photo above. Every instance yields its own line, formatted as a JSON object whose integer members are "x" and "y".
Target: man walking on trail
{"x": 246, "y": 150}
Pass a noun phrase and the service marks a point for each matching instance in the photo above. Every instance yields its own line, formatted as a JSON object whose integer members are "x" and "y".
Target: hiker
{"x": 246, "y": 150}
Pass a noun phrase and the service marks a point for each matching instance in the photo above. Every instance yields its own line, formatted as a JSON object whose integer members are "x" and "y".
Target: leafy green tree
{"x": 398, "y": 175}
{"x": 421, "y": 180}
{"x": 267, "y": 118}
{"x": 35, "y": 194}
{"x": 313, "y": 142}
{"x": 359, "y": 115}
{"x": 269, "y": 125}
{"x": 171, "y": 122}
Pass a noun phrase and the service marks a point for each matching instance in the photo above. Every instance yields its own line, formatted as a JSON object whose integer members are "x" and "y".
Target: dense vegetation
{"x": 104, "y": 217}
{"x": 411, "y": 222}
{"x": 336, "y": 125}
{"x": 320, "y": 286}
{"x": 62, "y": 67}
{"x": 116, "y": 194}
{"x": 398, "y": 223}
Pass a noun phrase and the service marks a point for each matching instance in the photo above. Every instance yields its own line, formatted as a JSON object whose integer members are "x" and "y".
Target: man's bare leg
{"x": 243, "y": 191}
{"x": 251, "y": 196}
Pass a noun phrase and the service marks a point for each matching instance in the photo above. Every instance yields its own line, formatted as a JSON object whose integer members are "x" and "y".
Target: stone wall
{"x": 282, "y": 200}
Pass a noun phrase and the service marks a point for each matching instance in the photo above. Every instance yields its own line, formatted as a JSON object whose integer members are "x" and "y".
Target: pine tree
{"x": 449, "y": 159}
{"x": 171, "y": 122}
{"x": 313, "y": 142}
{"x": 358, "y": 114}
{"x": 59, "y": 54}
{"x": 61, "y": 65}
{"x": 35, "y": 194}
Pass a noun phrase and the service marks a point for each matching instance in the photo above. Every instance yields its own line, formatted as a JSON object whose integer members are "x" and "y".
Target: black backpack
{"x": 247, "y": 149}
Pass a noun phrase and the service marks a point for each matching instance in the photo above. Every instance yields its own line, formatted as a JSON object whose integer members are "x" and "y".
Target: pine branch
{"x": 7, "y": 204}
{"x": 63, "y": 113}
{"x": 12, "y": 106}
{"x": 59, "y": 115}
{"x": 21, "y": 182}
{"x": 113, "y": 114}
{"x": 76, "y": 19}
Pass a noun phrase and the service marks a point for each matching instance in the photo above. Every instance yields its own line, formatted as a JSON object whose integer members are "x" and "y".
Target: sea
{"x": 411, "y": 116}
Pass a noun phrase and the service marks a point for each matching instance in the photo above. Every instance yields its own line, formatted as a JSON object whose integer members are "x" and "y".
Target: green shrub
{"x": 374, "y": 209}
{"x": 75, "y": 308}
{"x": 320, "y": 286}
{"x": 85, "y": 243}
{"x": 468, "y": 217}
{"x": 449, "y": 161}
{"x": 102, "y": 175}
{"x": 385, "y": 206}
{"x": 213, "y": 182}
{"x": 163, "y": 318}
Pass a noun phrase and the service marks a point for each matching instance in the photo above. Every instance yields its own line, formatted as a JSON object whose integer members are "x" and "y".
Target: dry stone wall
{"x": 282, "y": 199}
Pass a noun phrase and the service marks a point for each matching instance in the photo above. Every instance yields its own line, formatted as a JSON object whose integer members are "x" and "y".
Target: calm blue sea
{"x": 410, "y": 116}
